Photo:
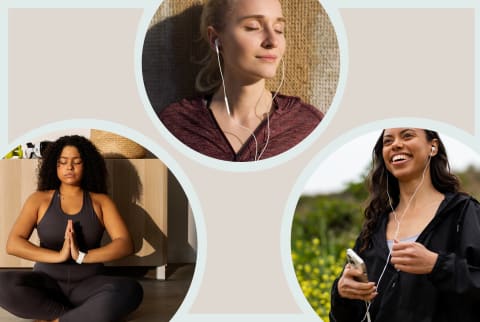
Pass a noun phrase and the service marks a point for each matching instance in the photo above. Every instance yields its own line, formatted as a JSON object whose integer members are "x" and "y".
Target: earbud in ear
{"x": 433, "y": 150}
{"x": 217, "y": 44}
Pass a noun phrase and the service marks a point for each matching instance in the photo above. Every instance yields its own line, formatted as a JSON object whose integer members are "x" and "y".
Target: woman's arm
{"x": 459, "y": 272}
{"x": 348, "y": 295}
{"x": 121, "y": 243}
{"x": 413, "y": 257}
{"x": 350, "y": 287}
{"x": 18, "y": 243}
{"x": 348, "y": 307}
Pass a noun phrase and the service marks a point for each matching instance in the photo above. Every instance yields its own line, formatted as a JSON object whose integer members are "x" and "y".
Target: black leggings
{"x": 100, "y": 298}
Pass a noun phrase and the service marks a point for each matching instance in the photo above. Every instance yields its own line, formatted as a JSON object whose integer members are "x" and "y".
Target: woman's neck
{"x": 69, "y": 190}
{"x": 417, "y": 193}
{"x": 246, "y": 101}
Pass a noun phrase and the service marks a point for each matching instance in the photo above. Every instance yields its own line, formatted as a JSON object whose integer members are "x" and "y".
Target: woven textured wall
{"x": 171, "y": 47}
{"x": 114, "y": 146}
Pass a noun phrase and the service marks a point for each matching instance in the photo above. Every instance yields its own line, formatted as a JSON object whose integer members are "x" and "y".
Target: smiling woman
{"x": 235, "y": 117}
{"x": 419, "y": 239}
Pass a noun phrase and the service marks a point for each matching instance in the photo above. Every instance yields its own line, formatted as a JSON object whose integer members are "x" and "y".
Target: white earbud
{"x": 217, "y": 44}
{"x": 433, "y": 150}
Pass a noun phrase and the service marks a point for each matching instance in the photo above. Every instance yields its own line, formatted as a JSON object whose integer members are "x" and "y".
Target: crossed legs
{"x": 35, "y": 295}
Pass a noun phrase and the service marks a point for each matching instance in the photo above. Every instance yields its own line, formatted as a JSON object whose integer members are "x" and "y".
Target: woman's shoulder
{"x": 99, "y": 198}
{"x": 471, "y": 200}
{"x": 462, "y": 198}
{"x": 460, "y": 204}
{"x": 38, "y": 201}
{"x": 185, "y": 106}
{"x": 294, "y": 104}
{"x": 40, "y": 197}
{"x": 186, "y": 114}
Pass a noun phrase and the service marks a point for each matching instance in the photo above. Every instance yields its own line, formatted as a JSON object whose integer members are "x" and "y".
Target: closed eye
{"x": 279, "y": 28}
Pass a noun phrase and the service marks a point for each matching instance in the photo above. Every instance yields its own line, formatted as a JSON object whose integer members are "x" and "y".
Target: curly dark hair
{"x": 379, "y": 178}
{"x": 94, "y": 177}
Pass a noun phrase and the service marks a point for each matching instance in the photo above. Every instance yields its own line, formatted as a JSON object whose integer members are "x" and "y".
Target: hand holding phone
{"x": 358, "y": 263}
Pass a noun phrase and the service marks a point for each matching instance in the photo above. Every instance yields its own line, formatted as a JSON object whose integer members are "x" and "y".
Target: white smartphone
{"x": 357, "y": 262}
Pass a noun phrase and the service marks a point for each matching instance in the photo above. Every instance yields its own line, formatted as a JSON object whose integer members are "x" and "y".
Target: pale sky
{"x": 350, "y": 160}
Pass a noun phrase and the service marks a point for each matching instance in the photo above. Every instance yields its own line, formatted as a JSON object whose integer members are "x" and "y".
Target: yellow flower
{"x": 294, "y": 257}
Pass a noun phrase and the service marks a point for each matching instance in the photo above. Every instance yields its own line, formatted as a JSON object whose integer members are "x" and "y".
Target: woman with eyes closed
{"x": 420, "y": 240}
{"x": 70, "y": 211}
{"x": 237, "y": 118}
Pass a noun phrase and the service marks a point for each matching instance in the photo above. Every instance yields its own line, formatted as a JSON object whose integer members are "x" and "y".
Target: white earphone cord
{"x": 397, "y": 231}
{"x": 221, "y": 76}
{"x": 268, "y": 114}
{"x": 257, "y": 156}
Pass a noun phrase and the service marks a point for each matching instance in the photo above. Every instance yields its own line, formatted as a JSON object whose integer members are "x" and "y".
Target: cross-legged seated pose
{"x": 70, "y": 211}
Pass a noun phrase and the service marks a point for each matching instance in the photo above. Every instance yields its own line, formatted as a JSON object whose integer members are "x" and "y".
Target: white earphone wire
{"x": 221, "y": 76}
{"x": 268, "y": 114}
{"x": 257, "y": 156}
{"x": 397, "y": 229}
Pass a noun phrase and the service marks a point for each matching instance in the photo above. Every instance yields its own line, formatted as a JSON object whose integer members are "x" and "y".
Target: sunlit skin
{"x": 70, "y": 166}
{"x": 407, "y": 153}
{"x": 251, "y": 46}
{"x": 70, "y": 170}
{"x": 253, "y": 41}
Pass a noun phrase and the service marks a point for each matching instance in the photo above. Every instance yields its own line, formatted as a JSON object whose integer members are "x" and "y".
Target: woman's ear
{"x": 213, "y": 38}
{"x": 434, "y": 148}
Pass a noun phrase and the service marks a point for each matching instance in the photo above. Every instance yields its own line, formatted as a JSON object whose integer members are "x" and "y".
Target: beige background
{"x": 399, "y": 66}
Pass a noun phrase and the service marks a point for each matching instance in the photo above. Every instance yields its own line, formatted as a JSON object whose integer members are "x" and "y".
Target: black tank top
{"x": 51, "y": 231}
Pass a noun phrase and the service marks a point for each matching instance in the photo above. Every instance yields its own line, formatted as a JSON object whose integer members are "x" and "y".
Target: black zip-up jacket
{"x": 451, "y": 292}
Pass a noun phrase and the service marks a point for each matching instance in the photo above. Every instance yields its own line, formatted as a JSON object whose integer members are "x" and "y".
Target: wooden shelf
{"x": 137, "y": 186}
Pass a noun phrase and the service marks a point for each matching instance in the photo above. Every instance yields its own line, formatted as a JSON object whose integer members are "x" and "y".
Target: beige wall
{"x": 138, "y": 188}
{"x": 182, "y": 240}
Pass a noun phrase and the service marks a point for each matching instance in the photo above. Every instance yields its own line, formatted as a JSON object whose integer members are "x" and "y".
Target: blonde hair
{"x": 214, "y": 13}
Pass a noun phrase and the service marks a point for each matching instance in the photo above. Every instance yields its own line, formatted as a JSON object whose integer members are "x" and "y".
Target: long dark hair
{"x": 94, "y": 178}
{"x": 380, "y": 178}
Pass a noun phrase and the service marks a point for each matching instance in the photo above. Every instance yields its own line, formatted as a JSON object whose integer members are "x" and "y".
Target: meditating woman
{"x": 70, "y": 211}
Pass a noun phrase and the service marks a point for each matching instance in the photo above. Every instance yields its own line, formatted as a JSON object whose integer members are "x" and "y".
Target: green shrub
{"x": 316, "y": 272}
{"x": 325, "y": 225}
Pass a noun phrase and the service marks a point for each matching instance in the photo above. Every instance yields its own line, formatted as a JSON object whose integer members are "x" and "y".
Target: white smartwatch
{"x": 81, "y": 256}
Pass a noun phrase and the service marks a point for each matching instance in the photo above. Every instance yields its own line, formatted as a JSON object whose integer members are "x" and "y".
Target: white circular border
{"x": 169, "y": 162}
{"x": 251, "y": 166}
{"x": 285, "y": 243}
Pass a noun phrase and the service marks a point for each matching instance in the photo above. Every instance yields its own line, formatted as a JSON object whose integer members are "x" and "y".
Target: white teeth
{"x": 399, "y": 157}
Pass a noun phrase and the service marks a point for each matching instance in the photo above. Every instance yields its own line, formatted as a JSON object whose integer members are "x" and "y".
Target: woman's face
{"x": 407, "y": 152}
{"x": 70, "y": 166}
{"x": 253, "y": 41}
